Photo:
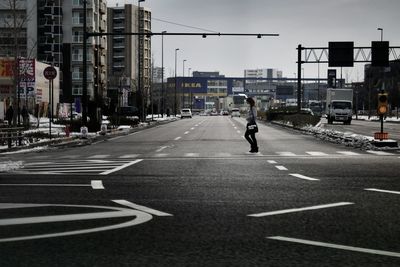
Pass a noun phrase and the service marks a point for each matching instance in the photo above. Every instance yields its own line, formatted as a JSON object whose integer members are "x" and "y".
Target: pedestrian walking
{"x": 25, "y": 117}
{"x": 251, "y": 127}
{"x": 10, "y": 115}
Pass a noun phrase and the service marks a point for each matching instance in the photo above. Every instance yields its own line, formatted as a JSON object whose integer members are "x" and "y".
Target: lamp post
{"x": 141, "y": 98}
{"x": 162, "y": 73}
{"x": 183, "y": 75}
{"x": 381, "y": 29}
{"x": 176, "y": 51}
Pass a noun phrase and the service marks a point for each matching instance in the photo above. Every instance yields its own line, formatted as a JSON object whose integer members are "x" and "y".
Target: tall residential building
{"x": 123, "y": 53}
{"x": 261, "y": 73}
{"x": 52, "y": 33}
{"x": 13, "y": 31}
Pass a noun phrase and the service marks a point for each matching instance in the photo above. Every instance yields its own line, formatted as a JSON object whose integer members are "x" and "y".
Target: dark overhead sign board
{"x": 341, "y": 54}
{"x": 380, "y": 54}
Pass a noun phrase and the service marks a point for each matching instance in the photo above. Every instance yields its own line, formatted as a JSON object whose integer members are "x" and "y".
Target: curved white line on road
{"x": 121, "y": 167}
{"x": 141, "y": 217}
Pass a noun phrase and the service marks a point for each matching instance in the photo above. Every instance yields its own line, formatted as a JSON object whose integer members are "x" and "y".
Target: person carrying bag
{"x": 251, "y": 127}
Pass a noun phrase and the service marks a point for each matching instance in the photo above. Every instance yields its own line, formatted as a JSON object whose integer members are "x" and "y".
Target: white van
{"x": 235, "y": 112}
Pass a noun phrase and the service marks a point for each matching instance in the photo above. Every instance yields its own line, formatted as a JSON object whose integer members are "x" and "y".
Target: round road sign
{"x": 50, "y": 73}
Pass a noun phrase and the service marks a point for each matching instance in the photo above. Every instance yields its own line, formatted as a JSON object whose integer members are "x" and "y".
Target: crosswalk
{"x": 219, "y": 154}
{"x": 84, "y": 167}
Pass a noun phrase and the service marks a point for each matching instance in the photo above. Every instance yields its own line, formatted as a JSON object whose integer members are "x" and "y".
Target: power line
{"x": 183, "y": 25}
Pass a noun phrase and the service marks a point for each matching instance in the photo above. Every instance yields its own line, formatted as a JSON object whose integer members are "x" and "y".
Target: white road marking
{"x": 50, "y": 185}
{"x": 192, "y": 128}
{"x": 98, "y": 156}
{"x": 348, "y": 153}
{"x": 382, "y": 191}
{"x": 316, "y": 153}
{"x": 303, "y": 177}
{"x": 141, "y": 208}
{"x": 238, "y": 132}
{"x": 286, "y": 154}
{"x": 380, "y": 153}
{"x": 176, "y": 139}
{"x": 97, "y": 184}
{"x": 277, "y": 212}
{"x": 272, "y": 162}
{"x": 335, "y": 246}
{"x": 140, "y": 217}
{"x": 191, "y": 154}
{"x": 281, "y": 168}
{"x": 129, "y": 156}
{"x": 186, "y": 132}
{"x": 121, "y": 167}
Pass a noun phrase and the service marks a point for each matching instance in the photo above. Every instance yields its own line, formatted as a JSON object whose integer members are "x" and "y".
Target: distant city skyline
{"x": 311, "y": 23}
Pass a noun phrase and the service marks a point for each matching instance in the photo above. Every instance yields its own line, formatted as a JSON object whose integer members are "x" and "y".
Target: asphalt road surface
{"x": 188, "y": 193}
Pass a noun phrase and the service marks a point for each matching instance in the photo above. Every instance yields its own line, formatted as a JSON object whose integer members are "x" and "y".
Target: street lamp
{"x": 381, "y": 29}
{"x": 176, "y": 51}
{"x": 162, "y": 73}
{"x": 139, "y": 89}
{"x": 183, "y": 75}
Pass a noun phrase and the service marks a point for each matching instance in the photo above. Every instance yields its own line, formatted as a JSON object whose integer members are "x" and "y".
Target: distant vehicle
{"x": 235, "y": 112}
{"x": 224, "y": 113}
{"x": 306, "y": 111}
{"x": 339, "y": 105}
{"x": 214, "y": 113}
{"x": 186, "y": 113}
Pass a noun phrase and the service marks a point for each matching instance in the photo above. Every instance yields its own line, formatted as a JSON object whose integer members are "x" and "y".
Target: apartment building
{"x": 123, "y": 55}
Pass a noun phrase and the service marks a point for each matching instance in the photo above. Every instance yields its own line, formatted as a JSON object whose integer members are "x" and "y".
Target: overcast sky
{"x": 311, "y": 23}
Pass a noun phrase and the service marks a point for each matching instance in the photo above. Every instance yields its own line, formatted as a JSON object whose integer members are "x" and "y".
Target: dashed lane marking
{"x": 278, "y": 212}
{"x": 177, "y": 138}
{"x": 286, "y": 154}
{"x": 303, "y": 177}
{"x": 186, "y": 132}
{"x": 272, "y": 162}
{"x": 97, "y": 184}
{"x": 281, "y": 168}
{"x": 191, "y": 155}
{"x": 335, "y": 246}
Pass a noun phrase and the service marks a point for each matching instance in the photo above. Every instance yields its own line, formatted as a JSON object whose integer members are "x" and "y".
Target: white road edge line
{"x": 303, "y": 177}
{"x": 141, "y": 208}
{"x": 382, "y": 191}
{"x": 335, "y": 246}
{"x": 97, "y": 184}
{"x": 277, "y": 212}
{"x": 121, "y": 167}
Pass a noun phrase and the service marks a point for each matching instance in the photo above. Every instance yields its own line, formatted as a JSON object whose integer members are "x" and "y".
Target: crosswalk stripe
{"x": 348, "y": 153}
{"x": 380, "y": 153}
{"x": 98, "y": 156}
{"x": 191, "y": 154}
{"x": 129, "y": 156}
{"x": 286, "y": 154}
{"x": 316, "y": 153}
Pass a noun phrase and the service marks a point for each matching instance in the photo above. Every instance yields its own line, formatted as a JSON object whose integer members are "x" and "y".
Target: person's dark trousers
{"x": 251, "y": 138}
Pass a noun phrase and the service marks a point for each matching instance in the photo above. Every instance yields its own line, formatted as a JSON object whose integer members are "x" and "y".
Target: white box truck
{"x": 339, "y": 105}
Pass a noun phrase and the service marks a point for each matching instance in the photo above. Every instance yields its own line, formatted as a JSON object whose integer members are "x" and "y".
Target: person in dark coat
{"x": 10, "y": 115}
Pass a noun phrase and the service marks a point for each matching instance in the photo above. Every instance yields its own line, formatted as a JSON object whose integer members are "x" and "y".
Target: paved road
{"x": 189, "y": 194}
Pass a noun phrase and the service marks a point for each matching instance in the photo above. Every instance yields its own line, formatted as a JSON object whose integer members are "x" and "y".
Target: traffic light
{"x": 382, "y": 103}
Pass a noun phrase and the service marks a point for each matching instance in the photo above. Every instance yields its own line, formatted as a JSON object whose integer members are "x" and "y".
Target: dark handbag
{"x": 252, "y": 127}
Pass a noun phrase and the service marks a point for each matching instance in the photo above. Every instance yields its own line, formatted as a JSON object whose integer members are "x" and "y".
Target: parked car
{"x": 186, "y": 113}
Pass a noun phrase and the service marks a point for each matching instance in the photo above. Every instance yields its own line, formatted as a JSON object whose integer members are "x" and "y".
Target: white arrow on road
{"x": 112, "y": 212}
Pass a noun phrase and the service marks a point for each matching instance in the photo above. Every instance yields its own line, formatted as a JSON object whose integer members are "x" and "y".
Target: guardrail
{"x": 10, "y": 134}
